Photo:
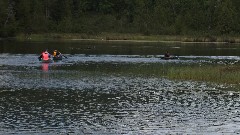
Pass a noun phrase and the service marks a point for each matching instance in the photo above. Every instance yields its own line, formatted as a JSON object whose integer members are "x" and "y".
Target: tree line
{"x": 162, "y": 17}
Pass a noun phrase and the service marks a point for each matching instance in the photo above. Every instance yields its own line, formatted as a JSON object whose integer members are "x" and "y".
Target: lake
{"x": 106, "y": 87}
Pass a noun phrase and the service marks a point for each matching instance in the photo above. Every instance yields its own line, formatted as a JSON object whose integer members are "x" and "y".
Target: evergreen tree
{"x": 39, "y": 20}
{"x": 61, "y": 14}
{"x": 225, "y": 16}
{"x": 24, "y": 16}
{"x": 7, "y": 18}
{"x": 4, "y": 15}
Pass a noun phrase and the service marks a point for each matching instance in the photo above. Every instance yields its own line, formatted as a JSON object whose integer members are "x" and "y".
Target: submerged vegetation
{"x": 217, "y": 74}
{"x": 208, "y": 73}
{"x": 221, "y": 74}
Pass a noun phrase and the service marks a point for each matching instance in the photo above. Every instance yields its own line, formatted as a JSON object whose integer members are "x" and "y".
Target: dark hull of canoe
{"x": 46, "y": 61}
{"x": 170, "y": 58}
{"x": 57, "y": 58}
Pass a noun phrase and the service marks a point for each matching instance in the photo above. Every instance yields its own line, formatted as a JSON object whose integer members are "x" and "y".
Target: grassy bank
{"x": 129, "y": 37}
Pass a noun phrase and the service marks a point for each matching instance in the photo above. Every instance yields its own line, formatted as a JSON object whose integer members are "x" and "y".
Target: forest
{"x": 148, "y": 17}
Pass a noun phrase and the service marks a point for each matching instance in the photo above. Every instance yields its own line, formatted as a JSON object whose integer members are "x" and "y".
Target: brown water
{"x": 95, "y": 92}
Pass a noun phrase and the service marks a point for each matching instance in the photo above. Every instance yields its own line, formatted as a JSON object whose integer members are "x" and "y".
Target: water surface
{"x": 96, "y": 91}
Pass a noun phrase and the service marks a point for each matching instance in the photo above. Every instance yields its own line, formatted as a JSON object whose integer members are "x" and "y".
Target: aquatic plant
{"x": 215, "y": 73}
{"x": 210, "y": 73}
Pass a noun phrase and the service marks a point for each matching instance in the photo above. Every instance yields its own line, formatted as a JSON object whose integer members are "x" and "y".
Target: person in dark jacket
{"x": 167, "y": 54}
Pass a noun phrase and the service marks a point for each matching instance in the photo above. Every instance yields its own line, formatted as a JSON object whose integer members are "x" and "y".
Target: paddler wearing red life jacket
{"x": 45, "y": 55}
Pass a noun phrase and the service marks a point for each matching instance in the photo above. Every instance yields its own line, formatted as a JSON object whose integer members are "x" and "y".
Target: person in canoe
{"x": 167, "y": 54}
{"x": 45, "y": 56}
{"x": 57, "y": 55}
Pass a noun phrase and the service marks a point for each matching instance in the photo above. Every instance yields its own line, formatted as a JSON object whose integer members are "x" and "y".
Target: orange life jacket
{"x": 55, "y": 53}
{"x": 45, "y": 56}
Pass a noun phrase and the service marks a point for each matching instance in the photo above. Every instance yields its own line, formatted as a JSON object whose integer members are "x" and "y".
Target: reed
{"x": 224, "y": 74}
{"x": 218, "y": 74}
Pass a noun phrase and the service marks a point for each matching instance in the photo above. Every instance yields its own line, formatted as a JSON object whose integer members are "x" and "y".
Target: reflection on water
{"x": 120, "y": 48}
{"x": 99, "y": 94}
{"x": 45, "y": 67}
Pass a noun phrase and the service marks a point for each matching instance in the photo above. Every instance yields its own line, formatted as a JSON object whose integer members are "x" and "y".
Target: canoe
{"x": 56, "y": 58}
{"x": 46, "y": 61}
{"x": 170, "y": 58}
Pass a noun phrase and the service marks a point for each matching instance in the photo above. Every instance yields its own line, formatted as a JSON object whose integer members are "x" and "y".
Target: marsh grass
{"x": 217, "y": 74}
{"x": 222, "y": 74}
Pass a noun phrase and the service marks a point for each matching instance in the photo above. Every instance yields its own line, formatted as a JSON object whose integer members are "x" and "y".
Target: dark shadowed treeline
{"x": 165, "y": 17}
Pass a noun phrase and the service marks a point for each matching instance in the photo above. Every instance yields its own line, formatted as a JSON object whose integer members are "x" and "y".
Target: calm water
{"x": 106, "y": 88}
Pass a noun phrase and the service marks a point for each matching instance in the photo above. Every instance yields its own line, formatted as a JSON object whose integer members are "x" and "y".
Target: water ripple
{"x": 66, "y": 99}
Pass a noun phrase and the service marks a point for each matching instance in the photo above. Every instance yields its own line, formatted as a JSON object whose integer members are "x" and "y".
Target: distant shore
{"x": 130, "y": 37}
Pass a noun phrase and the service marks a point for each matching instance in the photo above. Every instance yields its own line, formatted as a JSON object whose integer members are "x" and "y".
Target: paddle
{"x": 39, "y": 58}
{"x": 64, "y": 56}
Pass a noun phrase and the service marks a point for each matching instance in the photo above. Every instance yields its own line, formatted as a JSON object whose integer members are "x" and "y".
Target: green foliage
{"x": 148, "y": 17}
{"x": 225, "y": 16}
{"x": 3, "y": 12}
{"x": 8, "y": 25}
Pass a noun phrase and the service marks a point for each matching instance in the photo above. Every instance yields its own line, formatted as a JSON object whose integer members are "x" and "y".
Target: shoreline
{"x": 149, "y": 41}
{"x": 120, "y": 37}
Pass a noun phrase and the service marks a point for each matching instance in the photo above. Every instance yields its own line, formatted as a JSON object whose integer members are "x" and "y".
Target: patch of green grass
{"x": 222, "y": 74}
{"x": 217, "y": 74}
